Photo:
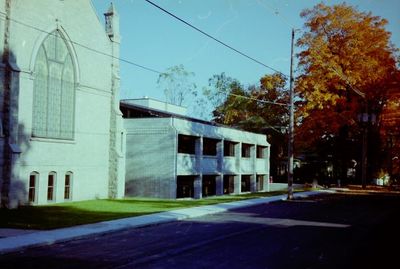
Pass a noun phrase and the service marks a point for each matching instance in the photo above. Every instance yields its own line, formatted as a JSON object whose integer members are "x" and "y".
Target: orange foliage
{"x": 347, "y": 63}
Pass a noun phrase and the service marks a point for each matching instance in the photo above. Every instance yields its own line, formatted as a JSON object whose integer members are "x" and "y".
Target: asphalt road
{"x": 333, "y": 231}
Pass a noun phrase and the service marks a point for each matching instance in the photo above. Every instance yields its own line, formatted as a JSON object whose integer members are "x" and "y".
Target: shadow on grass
{"x": 51, "y": 217}
{"x": 85, "y": 212}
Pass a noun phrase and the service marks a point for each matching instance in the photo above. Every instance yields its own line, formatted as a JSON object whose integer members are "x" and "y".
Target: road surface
{"x": 332, "y": 231}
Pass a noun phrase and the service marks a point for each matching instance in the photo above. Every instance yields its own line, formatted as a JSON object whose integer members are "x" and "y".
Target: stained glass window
{"x": 53, "y": 90}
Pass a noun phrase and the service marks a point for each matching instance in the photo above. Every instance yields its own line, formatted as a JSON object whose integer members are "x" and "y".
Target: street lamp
{"x": 365, "y": 119}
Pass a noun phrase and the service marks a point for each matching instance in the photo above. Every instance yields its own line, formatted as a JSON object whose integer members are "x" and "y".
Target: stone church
{"x": 61, "y": 134}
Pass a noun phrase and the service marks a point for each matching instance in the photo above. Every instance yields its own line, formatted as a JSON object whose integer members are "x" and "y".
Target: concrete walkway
{"x": 15, "y": 241}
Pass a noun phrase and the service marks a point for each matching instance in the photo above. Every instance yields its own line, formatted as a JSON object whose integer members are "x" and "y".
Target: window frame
{"x": 35, "y": 176}
{"x": 54, "y": 56}
{"x": 229, "y": 148}
{"x": 246, "y": 150}
{"x": 187, "y": 144}
{"x": 68, "y": 174}
{"x": 260, "y": 154}
{"x": 51, "y": 189}
{"x": 210, "y": 146}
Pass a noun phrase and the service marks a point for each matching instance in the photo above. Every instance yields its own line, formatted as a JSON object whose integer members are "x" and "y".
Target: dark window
{"x": 50, "y": 187}
{"x": 229, "y": 184}
{"x": 67, "y": 186}
{"x": 187, "y": 144}
{"x": 246, "y": 150}
{"x": 210, "y": 146}
{"x": 32, "y": 188}
{"x": 260, "y": 182}
{"x": 229, "y": 148}
{"x": 260, "y": 152}
{"x": 209, "y": 185}
{"x": 185, "y": 186}
{"x": 245, "y": 183}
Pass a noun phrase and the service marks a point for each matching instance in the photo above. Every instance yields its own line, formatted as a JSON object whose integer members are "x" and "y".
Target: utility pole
{"x": 291, "y": 125}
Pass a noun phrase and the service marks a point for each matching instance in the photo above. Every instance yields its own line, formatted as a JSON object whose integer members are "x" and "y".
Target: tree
{"x": 177, "y": 85}
{"x": 390, "y": 133}
{"x": 250, "y": 108}
{"x": 258, "y": 108}
{"x": 347, "y": 66}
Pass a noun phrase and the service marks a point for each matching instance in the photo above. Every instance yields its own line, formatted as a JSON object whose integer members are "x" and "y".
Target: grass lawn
{"x": 76, "y": 213}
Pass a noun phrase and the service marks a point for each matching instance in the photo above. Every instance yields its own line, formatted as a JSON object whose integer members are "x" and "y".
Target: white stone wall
{"x": 87, "y": 155}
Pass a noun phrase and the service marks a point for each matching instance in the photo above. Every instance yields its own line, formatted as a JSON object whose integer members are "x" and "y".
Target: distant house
{"x": 171, "y": 155}
{"x": 61, "y": 128}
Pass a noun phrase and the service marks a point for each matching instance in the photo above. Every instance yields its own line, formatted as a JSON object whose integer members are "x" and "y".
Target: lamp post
{"x": 390, "y": 148}
{"x": 365, "y": 120}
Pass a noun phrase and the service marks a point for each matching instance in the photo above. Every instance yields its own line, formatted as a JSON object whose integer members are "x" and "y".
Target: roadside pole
{"x": 291, "y": 125}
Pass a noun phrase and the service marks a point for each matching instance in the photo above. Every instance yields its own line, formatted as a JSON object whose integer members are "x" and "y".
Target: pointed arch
{"x": 68, "y": 41}
{"x": 54, "y": 89}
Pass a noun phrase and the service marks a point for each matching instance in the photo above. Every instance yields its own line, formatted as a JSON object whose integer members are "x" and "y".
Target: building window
{"x": 185, "y": 186}
{"x": 209, "y": 185}
{"x": 246, "y": 150}
{"x": 67, "y": 185}
{"x": 229, "y": 148}
{"x": 33, "y": 178}
{"x": 53, "y": 90}
{"x": 229, "y": 184}
{"x": 210, "y": 146}
{"x": 51, "y": 181}
{"x": 245, "y": 182}
{"x": 260, "y": 182}
{"x": 260, "y": 152}
{"x": 187, "y": 144}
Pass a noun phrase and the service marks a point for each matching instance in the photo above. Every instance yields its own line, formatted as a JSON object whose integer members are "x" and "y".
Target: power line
{"x": 150, "y": 69}
{"x": 276, "y": 12}
{"x": 214, "y": 38}
{"x": 86, "y": 47}
{"x": 257, "y": 100}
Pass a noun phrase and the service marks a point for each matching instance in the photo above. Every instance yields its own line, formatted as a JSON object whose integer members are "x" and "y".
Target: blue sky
{"x": 259, "y": 28}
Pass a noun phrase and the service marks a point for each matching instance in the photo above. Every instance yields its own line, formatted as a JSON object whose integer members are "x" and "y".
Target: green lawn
{"x": 75, "y": 213}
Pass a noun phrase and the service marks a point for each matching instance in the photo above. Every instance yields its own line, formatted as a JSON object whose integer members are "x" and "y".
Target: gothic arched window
{"x": 54, "y": 90}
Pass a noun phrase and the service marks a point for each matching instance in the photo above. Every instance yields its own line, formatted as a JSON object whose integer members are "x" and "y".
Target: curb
{"x": 43, "y": 238}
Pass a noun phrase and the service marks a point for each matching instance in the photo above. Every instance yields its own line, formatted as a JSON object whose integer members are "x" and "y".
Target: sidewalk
{"x": 15, "y": 240}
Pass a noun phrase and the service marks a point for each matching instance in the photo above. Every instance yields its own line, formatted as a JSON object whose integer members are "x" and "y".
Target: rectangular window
{"x": 228, "y": 184}
{"x": 210, "y": 147}
{"x": 208, "y": 185}
{"x": 67, "y": 187}
{"x": 187, "y": 144}
{"x": 50, "y": 187}
{"x": 245, "y": 182}
{"x": 229, "y": 148}
{"x": 32, "y": 188}
{"x": 260, "y": 152}
{"x": 260, "y": 182}
{"x": 246, "y": 150}
{"x": 185, "y": 186}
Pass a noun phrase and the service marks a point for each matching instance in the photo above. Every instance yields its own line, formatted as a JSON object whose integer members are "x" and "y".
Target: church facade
{"x": 61, "y": 133}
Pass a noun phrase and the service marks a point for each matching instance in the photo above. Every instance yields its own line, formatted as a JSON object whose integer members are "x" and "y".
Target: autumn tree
{"x": 260, "y": 108}
{"x": 390, "y": 133}
{"x": 347, "y": 66}
{"x": 177, "y": 84}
